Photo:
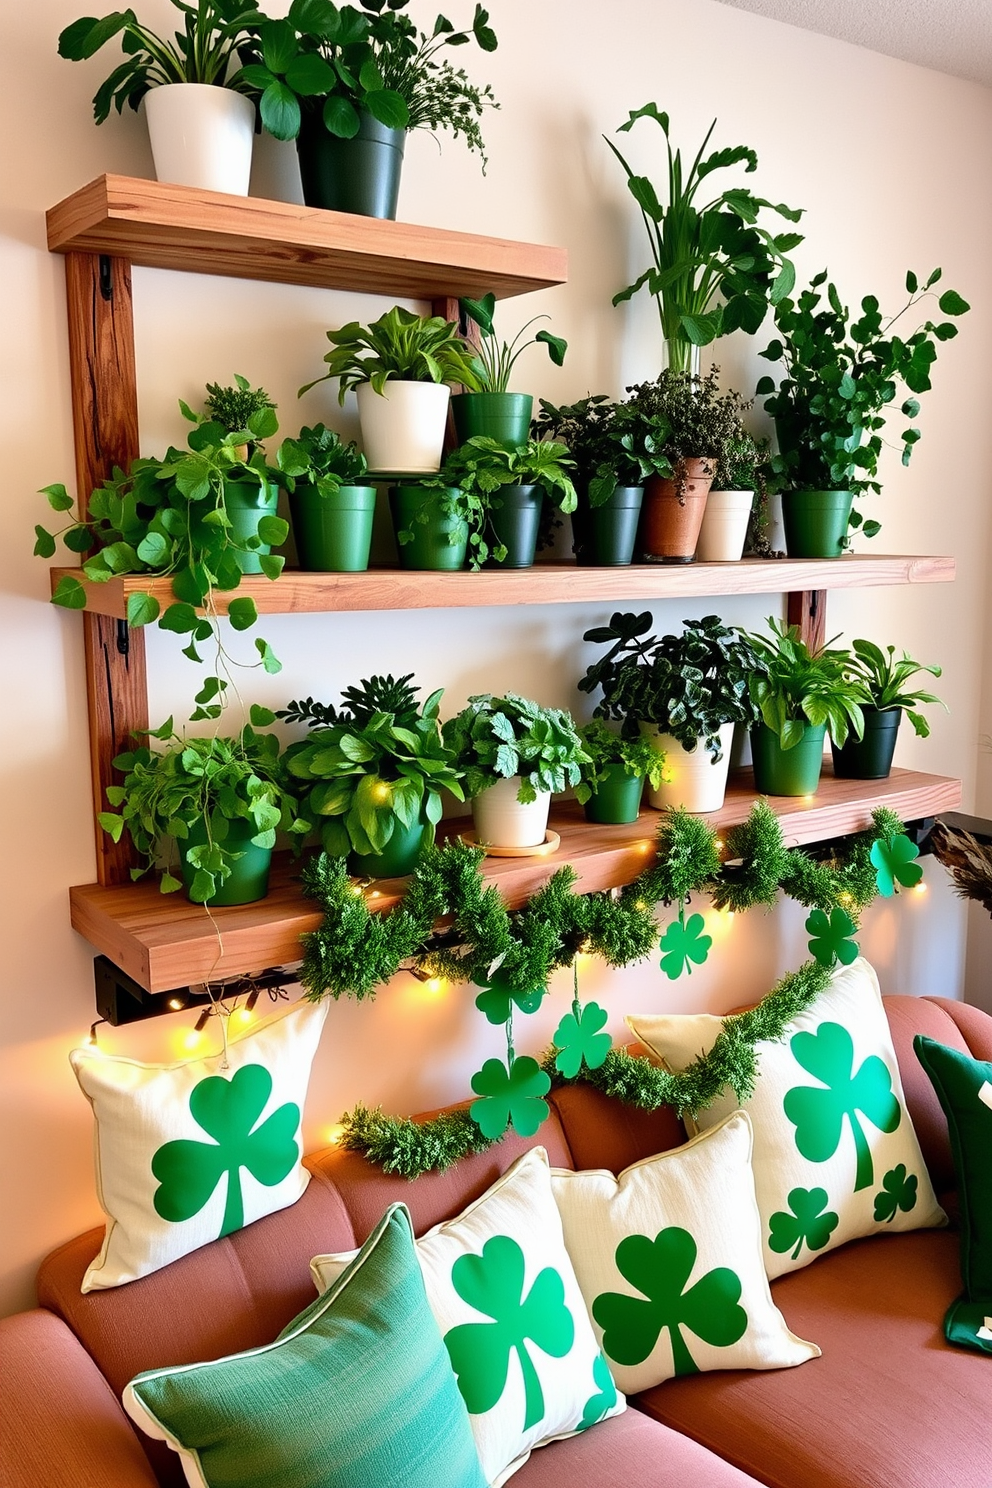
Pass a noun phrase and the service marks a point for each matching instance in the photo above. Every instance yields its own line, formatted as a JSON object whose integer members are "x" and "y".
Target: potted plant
{"x": 715, "y": 268}
{"x": 200, "y": 123}
{"x": 831, "y": 405}
{"x": 331, "y": 506}
{"x": 799, "y": 693}
{"x": 683, "y": 692}
{"x": 615, "y": 775}
{"x": 886, "y": 682}
{"x": 247, "y": 415}
{"x": 349, "y": 84}
{"x": 220, "y": 800}
{"x": 372, "y": 773}
{"x": 740, "y": 476}
{"x": 494, "y": 411}
{"x": 514, "y": 755}
{"x": 400, "y": 366}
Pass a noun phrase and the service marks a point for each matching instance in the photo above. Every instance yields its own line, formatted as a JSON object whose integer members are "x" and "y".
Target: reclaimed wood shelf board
{"x": 163, "y": 941}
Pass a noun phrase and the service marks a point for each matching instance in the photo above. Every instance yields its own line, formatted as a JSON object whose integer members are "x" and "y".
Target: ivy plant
{"x": 796, "y": 686}
{"x": 605, "y": 747}
{"x": 500, "y": 738}
{"x": 496, "y": 359}
{"x": 401, "y": 345}
{"x": 886, "y": 681}
{"x": 611, "y": 444}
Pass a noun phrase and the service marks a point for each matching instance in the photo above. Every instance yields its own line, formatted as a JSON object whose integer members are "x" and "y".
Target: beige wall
{"x": 892, "y": 163}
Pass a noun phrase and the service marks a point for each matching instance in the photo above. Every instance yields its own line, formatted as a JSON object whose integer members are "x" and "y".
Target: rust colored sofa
{"x": 889, "y": 1405}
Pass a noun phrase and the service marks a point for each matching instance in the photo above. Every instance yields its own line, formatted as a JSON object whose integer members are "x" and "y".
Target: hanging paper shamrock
{"x": 684, "y": 942}
{"x": 493, "y": 1284}
{"x": 892, "y": 859}
{"x": 579, "y": 1041}
{"x": 818, "y": 1114}
{"x": 898, "y": 1192}
{"x": 660, "y": 1269}
{"x": 830, "y": 941}
{"x": 605, "y": 1398}
{"x": 808, "y": 1224}
{"x": 188, "y": 1172}
{"x": 497, "y": 999}
{"x": 510, "y": 1097}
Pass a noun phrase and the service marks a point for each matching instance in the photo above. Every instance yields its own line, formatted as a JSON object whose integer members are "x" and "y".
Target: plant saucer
{"x": 551, "y": 844}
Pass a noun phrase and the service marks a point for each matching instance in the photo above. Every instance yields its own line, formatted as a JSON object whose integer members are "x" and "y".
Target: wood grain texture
{"x": 164, "y": 941}
{"x": 808, "y": 610}
{"x": 175, "y": 227}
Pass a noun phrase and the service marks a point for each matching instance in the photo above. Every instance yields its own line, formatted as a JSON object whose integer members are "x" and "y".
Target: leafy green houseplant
{"x": 616, "y": 772}
{"x": 493, "y": 410}
{"x": 330, "y": 501}
{"x": 891, "y": 693}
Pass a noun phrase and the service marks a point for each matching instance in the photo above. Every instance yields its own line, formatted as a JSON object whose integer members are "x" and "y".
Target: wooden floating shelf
{"x": 176, "y": 227}
{"x": 545, "y": 583}
{"x": 165, "y": 942}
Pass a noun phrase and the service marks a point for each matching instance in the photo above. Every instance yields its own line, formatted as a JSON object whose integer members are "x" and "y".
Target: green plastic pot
{"x": 604, "y": 536}
{"x": 417, "y": 509}
{"x": 869, "y": 758}
{"x": 787, "y": 772}
{"x": 333, "y": 532}
{"x": 617, "y": 799}
{"x": 249, "y": 878}
{"x": 360, "y": 175}
{"x": 246, "y": 503}
{"x": 514, "y": 520}
{"x": 816, "y": 522}
{"x": 398, "y": 857}
{"x": 502, "y": 416}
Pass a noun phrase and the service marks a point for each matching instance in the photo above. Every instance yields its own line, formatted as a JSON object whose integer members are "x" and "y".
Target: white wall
{"x": 892, "y": 165}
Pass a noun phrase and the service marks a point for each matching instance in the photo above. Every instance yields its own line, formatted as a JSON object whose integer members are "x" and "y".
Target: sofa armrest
{"x": 60, "y": 1423}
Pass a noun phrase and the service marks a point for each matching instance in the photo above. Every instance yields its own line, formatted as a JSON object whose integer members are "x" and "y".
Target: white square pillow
{"x": 835, "y": 1153}
{"x": 501, "y": 1286}
{"x": 188, "y": 1152}
{"x": 668, "y": 1256}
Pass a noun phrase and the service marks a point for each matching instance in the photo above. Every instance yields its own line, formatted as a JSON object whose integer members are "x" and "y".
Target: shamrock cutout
{"x": 498, "y": 998}
{"x": 660, "y": 1269}
{"x": 830, "y": 941}
{"x": 892, "y": 859}
{"x": 818, "y": 1115}
{"x": 510, "y": 1097}
{"x": 579, "y": 1040}
{"x": 227, "y": 1110}
{"x": 493, "y": 1284}
{"x": 807, "y": 1224}
{"x": 898, "y": 1192}
{"x": 683, "y": 942}
{"x": 602, "y": 1402}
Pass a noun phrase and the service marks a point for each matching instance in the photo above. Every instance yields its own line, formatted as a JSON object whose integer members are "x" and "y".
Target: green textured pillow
{"x": 964, "y": 1089}
{"x": 357, "y": 1392}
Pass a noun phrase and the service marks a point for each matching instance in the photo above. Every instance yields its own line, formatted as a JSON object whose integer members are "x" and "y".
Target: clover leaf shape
{"x": 605, "y": 1398}
{"x": 684, "y": 942}
{"x": 493, "y": 1284}
{"x": 892, "y": 859}
{"x": 510, "y": 1097}
{"x": 830, "y": 941}
{"x": 578, "y": 1040}
{"x": 188, "y": 1172}
{"x": 808, "y": 1224}
{"x": 660, "y": 1270}
{"x": 498, "y": 998}
{"x": 819, "y": 1114}
{"x": 898, "y": 1192}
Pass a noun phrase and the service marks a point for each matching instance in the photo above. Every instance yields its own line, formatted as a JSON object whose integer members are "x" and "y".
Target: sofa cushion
{"x": 605, "y": 1133}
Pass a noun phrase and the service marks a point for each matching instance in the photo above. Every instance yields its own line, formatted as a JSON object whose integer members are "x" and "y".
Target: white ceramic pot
{"x": 695, "y": 783}
{"x": 201, "y": 135}
{"x": 721, "y": 537}
{"x": 403, "y": 426}
{"x": 503, "y": 821}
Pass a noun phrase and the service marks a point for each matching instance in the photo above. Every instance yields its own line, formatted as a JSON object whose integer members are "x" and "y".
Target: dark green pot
{"x": 816, "y": 522}
{"x": 617, "y": 799}
{"x": 398, "y": 857}
{"x": 417, "y": 509}
{"x": 333, "y": 532}
{"x": 246, "y": 503}
{"x": 787, "y": 772}
{"x": 360, "y": 175}
{"x": 604, "y": 536}
{"x": 502, "y": 416}
{"x": 514, "y": 521}
{"x": 249, "y": 878}
{"x": 869, "y": 758}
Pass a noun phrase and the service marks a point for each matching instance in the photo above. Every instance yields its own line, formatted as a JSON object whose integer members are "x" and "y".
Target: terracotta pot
{"x": 670, "y": 524}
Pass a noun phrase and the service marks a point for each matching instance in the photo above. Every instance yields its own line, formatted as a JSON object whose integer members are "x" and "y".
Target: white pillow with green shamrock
{"x": 835, "y": 1153}
{"x": 668, "y": 1256}
{"x": 188, "y": 1152}
{"x": 503, "y": 1291}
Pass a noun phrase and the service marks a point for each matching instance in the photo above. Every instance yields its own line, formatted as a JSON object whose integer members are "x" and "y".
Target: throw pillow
{"x": 668, "y": 1256}
{"x": 501, "y": 1285}
{"x": 835, "y": 1153}
{"x": 188, "y": 1152}
{"x": 356, "y": 1393}
{"x": 964, "y": 1089}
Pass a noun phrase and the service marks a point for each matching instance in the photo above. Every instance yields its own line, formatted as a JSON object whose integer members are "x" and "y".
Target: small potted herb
{"x": 372, "y": 773}
{"x": 331, "y": 506}
{"x": 494, "y": 411}
{"x": 616, "y": 772}
{"x": 248, "y": 415}
{"x": 740, "y": 476}
{"x": 887, "y": 684}
{"x": 683, "y": 692}
{"x": 514, "y": 755}
{"x": 799, "y": 693}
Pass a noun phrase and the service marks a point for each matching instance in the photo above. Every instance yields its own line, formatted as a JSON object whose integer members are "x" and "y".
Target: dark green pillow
{"x": 358, "y": 1391}
{"x": 964, "y": 1089}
